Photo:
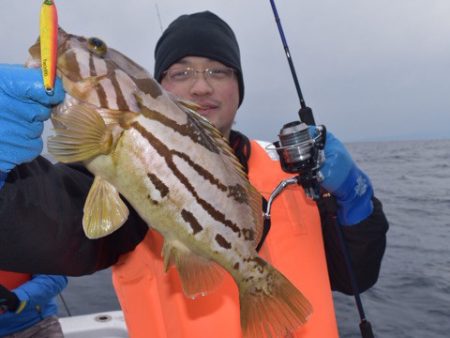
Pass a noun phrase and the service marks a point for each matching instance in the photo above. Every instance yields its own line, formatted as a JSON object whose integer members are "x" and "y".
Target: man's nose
{"x": 200, "y": 85}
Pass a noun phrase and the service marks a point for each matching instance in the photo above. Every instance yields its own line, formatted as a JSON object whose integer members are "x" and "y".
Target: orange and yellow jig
{"x": 49, "y": 44}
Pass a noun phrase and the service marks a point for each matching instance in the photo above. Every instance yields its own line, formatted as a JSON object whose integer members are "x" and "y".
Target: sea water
{"x": 412, "y": 295}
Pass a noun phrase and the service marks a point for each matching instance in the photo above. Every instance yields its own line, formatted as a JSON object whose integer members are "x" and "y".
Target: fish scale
{"x": 178, "y": 173}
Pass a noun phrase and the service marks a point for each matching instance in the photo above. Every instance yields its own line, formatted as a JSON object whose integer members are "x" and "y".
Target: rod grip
{"x": 366, "y": 329}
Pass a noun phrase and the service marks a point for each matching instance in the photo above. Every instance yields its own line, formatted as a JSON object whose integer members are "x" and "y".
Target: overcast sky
{"x": 370, "y": 70}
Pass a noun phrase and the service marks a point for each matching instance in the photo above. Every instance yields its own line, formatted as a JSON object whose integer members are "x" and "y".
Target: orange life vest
{"x": 154, "y": 304}
{"x": 12, "y": 280}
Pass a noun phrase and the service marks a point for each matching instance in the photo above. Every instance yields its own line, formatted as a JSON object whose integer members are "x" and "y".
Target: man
{"x": 197, "y": 58}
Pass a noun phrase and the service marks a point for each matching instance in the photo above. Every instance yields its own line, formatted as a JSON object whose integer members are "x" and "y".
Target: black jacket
{"x": 41, "y": 208}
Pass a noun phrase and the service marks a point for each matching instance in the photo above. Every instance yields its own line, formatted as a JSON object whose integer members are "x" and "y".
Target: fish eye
{"x": 97, "y": 46}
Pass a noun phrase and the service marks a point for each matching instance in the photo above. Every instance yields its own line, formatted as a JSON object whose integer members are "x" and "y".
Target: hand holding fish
{"x": 24, "y": 106}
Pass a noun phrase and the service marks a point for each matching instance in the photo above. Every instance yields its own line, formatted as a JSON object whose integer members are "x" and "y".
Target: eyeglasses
{"x": 188, "y": 74}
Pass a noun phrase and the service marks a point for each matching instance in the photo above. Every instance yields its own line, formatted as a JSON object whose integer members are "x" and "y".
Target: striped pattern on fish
{"x": 177, "y": 172}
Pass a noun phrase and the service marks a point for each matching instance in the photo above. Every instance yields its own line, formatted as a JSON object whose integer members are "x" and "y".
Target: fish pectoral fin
{"x": 80, "y": 134}
{"x": 123, "y": 118}
{"x": 198, "y": 275}
{"x": 104, "y": 210}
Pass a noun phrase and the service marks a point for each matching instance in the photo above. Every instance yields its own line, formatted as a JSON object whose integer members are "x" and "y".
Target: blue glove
{"x": 24, "y": 106}
{"x": 344, "y": 180}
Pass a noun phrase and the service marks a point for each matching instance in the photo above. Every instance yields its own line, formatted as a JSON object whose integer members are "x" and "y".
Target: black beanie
{"x": 199, "y": 34}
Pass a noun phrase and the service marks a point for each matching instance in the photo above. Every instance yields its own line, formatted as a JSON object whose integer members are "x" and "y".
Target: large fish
{"x": 176, "y": 170}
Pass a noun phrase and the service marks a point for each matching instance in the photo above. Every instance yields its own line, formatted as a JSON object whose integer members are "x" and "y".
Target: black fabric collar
{"x": 241, "y": 147}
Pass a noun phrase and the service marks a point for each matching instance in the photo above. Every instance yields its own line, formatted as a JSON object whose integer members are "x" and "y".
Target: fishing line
{"x": 63, "y": 301}
{"x": 159, "y": 17}
{"x": 306, "y": 116}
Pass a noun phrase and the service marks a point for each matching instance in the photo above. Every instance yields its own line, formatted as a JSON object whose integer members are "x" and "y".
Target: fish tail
{"x": 272, "y": 307}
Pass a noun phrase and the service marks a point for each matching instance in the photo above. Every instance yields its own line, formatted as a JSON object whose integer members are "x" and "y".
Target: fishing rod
{"x": 305, "y": 113}
{"x": 300, "y": 154}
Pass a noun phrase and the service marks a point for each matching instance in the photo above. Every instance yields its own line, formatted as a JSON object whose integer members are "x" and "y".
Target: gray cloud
{"x": 370, "y": 70}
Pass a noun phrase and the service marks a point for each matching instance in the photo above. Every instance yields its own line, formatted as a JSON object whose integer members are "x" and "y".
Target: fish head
{"x": 94, "y": 74}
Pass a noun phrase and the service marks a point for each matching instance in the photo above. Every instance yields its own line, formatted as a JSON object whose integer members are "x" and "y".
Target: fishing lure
{"x": 49, "y": 43}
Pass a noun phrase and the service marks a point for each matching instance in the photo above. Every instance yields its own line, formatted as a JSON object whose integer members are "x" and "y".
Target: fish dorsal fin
{"x": 213, "y": 132}
{"x": 80, "y": 134}
{"x": 188, "y": 104}
{"x": 104, "y": 210}
{"x": 198, "y": 275}
{"x": 255, "y": 198}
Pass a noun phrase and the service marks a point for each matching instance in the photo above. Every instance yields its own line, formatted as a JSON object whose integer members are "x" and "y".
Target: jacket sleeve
{"x": 41, "y": 289}
{"x": 365, "y": 243}
{"x": 41, "y": 209}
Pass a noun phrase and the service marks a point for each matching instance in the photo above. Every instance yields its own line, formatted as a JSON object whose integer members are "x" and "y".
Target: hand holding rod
{"x": 306, "y": 116}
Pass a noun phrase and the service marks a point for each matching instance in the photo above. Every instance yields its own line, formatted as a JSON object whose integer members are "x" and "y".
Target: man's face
{"x": 217, "y": 93}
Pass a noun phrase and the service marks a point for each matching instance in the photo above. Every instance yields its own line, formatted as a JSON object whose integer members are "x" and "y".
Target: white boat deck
{"x": 97, "y": 325}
